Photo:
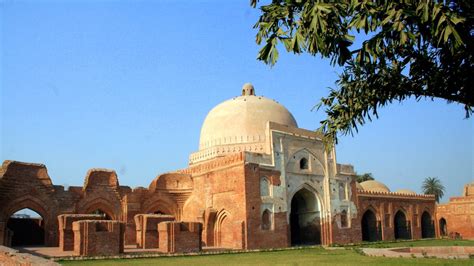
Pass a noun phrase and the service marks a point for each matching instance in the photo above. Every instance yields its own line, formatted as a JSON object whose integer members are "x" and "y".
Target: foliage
{"x": 433, "y": 186}
{"x": 420, "y": 49}
{"x": 364, "y": 177}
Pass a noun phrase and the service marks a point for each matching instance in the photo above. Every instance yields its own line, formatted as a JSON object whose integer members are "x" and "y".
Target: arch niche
{"x": 100, "y": 206}
{"x": 370, "y": 231}
{"x": 305, "y": 218}
{"x": 443, "y": 227}
{"x": 223, "y": 231}
{"x": 39, "y": 230}
{"x": 427, "y": 228}
{"x": 26, "y": 228}
{"x": 401, "y": 226}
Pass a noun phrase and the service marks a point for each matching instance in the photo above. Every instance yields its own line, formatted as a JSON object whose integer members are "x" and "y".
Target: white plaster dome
{"x": 242, "y": 119}
{"x": 373, "y": 185}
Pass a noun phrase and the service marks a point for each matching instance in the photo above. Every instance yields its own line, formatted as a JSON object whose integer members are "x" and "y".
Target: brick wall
{"x": 66, "y": 234}
{"x": 459, "y": 217}
{"x": 147, "y": 229}
{"x": 180, "y": 237}
{"x": 96, "y": 238}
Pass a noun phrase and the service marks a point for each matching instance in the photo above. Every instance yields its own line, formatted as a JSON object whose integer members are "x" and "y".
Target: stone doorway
{"x": 401, "y": 226}
{"x": 25, "y": 228}
{"x": 369, "y": 227}
{"x": 305, "y": 220}
{"x": 427, "y": 228}
{"x": 443, "y": 227}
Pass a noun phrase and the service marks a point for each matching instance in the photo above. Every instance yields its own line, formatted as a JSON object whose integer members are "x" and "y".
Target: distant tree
{"x": 364, "y": 177}
{"x": 433, "y": 186}
{"x": 419, "y": 49}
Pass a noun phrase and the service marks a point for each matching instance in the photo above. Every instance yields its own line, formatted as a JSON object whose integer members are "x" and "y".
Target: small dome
{"x": 406, "y": 191}
{"x": 376, "y": 186}
{"x": 358, "y": 186}
{"x": 242, "y": 119}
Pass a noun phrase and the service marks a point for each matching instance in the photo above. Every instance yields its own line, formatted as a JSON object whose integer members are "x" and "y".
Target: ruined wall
{"x": 180, "y": 237}
{"x": 28, "y": 185}
{"x": 459, "y": 216}
{"x": 66, "y": 234}
{"x": 98, "y": 238}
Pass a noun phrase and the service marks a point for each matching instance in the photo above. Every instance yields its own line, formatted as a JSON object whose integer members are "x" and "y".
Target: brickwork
{"x": 66, "y": 234}
{"x": 147, "y": 229}
{"x": 385, "y": 207}
{"x": 96, "y": 238}
{"x": 180, "y": 237}
{"x": 456, "y": 218}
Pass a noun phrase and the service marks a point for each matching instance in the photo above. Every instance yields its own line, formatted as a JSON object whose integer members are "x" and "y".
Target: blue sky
{"x": 127, "y": 84}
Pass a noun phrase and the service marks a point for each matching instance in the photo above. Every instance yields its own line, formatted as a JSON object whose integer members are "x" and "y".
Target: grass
{"x": 304, "y": 256}
{"x": 418, "y": 243}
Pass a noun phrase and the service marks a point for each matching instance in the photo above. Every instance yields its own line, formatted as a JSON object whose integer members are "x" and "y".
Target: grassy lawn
{"x": 306, "y": 256}
{"x": 418, "y": 243}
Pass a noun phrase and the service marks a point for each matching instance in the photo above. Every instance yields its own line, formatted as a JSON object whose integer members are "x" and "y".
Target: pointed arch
{"x": 401, "y": 225}
{"x": 427, "y": 225}
{"x": 305, "y": 216}
{"x": 101, "y": 204}
{"x": 223, "y": 231}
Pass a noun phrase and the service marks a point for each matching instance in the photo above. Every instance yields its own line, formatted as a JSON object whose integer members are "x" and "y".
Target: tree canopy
{"x": 411, "y": 48}
{"x": 433, "y": 186}
{"x": 364, "y": 177}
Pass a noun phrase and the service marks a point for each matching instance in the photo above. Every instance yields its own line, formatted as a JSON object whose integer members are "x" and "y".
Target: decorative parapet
{"x": 215, "y": 163}
{"x": 366, "y": 193}
{"x": 219, "y": 151}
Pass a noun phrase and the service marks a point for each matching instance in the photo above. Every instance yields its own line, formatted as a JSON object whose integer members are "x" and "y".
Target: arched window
{"x": 266, "y": 220}
{"x": 304, "y": 163}
{"x": 344, "y": 223}
{"x": 342, "y": 191}
{"x": 264, "y": 187}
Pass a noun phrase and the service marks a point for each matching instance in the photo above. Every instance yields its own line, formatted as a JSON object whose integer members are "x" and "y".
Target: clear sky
{"x": 127, "y": 84}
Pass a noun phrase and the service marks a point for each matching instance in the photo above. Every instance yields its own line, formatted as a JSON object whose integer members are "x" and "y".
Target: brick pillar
{"x": 98, "y": 238}
{"x": 147, "y": 230}
{"x": 66, "y": 234}
{"x": 180, "y": 237}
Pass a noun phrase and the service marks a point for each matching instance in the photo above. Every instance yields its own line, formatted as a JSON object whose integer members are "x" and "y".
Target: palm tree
{"x": 433, "y": 186}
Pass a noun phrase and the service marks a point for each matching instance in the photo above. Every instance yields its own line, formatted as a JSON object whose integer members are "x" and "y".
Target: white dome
{"x": 242, "y": 119}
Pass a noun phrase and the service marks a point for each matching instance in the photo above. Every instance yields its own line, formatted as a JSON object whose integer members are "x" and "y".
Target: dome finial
{"x": 248, "y": 89}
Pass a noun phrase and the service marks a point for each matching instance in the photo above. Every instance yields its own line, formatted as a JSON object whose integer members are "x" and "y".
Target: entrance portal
{"x": 401, "y": 226}
{"x": 427, "y": 228}
{"x": 369, "y": 227}
{"x": 305, "y": 220}
{"x": 26, "y": 228}
{"x": 443, "y": 227}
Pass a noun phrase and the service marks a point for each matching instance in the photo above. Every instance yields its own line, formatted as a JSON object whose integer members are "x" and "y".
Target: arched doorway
{"x": 427, "y": 228}
{"x": 401, "y": 227}
{"x": 369, "y": 227}
{"x": 305, "y": 219}
{"x": 26, "y": 228}
{"x": 443, "y": 227}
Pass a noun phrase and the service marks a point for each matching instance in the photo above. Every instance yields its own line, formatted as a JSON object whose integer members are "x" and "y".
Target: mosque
{"x": 257, "y": 181}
